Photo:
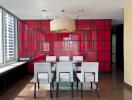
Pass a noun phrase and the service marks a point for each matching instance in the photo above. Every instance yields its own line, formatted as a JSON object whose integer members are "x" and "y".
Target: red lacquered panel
{"x": 88, "y": 45}
{"x": 49, "y": 53}
{"x": 52, "y": 46}
{"x": 59, "y": 46}
{"x": 101, "y": 66}
{"x": 101, "y": 45}
{"x": 91, "y": 39}
{"x": 83, "y": 24}
{"x": 89, "y": 35}
{"x": 107, "y": 67}
{"x": 65, "y": 36}
{"x": 104, "y": 35}
{"x": 74, "y": 37}
{"x": 21, "y": 36}
{"x": 31, "y": 23}
{"x": 28, "y": 46}
{"x": 99, "y": 24}
{"x": 81, "y": 46}
{"x": 95, "y": 45}
{"x": 80, "y": 35}
{"x": 107, "y": 35}
{"x": 91, "y": 56}
{"x": 107, "y": 46}
{"x": 92, "y": 35}
{"x": 108, "y": 24}
{"x": 73, "y": 46}
{"x": 50, "y": 36}
{"x": 20, "y": 25}
{"x": 101, "y": 35}
{"x": 45, "y": 47}
{"x": 103, "y": 56}
{"x": 45, "y": 24}
{"x": 27, "y": 36}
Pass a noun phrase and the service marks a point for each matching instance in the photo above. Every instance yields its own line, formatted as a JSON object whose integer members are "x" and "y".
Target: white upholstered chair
{"x": 89, "y": 73}
{"x": 64, "y": 72}
{"x": 52, "y": 60}
{"x": 64, "y": 58}
{"x": 77, "y": 59}
{"x": 42, "y": 74}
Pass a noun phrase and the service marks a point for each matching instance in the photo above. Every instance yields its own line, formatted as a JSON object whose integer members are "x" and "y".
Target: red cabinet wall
{"x": 92, "y": 39}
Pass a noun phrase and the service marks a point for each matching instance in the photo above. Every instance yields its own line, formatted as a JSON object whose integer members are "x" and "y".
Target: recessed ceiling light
{"x": 81, "y": 10}
{"x": 44, "y": 10}
{"x": 62, "y": 10}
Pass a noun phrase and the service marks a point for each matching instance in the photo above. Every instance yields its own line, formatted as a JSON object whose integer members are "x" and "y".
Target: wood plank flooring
{"x": 111, "y": 87}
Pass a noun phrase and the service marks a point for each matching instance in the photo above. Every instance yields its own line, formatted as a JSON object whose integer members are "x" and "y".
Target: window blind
{"x": 9, "y": 37}
{"x": 1, "y": 42}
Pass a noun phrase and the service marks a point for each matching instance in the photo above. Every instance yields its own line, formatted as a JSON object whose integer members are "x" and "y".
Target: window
{"x": 9, "y": 37}
{"x": 1, "y": 42}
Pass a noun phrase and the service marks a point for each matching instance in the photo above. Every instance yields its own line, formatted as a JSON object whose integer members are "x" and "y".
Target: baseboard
{"x": 127, "y": 86}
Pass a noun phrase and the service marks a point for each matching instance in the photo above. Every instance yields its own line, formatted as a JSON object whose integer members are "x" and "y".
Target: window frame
{"x": 7, "y": 62}
{"x": 2, "y": 34}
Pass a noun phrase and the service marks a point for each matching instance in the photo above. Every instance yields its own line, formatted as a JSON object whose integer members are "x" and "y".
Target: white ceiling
{"x": 85, "y": 9}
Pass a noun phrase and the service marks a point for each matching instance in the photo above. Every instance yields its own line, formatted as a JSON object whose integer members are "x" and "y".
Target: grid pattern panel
{"x": 92, "y": 39}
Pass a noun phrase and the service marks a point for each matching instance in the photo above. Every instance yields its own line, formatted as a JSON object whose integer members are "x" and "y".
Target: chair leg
{"x": 38, "y": 85}
{"x": 51, "y": 90}
{"x": 57, "y": 89}
{"x": 77, "y": 85}
{"x": 35, "y": 90}
{"x": 52, "y": 84}
{"x": 72, "y": 89}
{"x": 91, "y": 85}
{"x": 81, "y": 90}
{"x": 97, "y": 89}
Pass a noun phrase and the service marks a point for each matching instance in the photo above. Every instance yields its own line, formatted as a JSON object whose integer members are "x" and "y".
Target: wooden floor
{"x": 111, "y": 87}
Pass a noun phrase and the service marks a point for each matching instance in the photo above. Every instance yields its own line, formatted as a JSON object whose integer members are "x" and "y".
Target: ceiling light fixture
{"x": 62, "y": 25}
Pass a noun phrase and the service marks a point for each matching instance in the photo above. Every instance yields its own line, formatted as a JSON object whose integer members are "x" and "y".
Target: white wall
{"x": 128, "y": 44}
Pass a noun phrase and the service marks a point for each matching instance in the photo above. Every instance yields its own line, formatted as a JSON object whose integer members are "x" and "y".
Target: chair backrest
{"x": 50, "y": 58}
{"x": 90, "y": 67}
{"x": 41, "y": 67}
{"x": 78, "y": 58}
{"x": 64, "y": 67}
{"x": 64, "y": 58}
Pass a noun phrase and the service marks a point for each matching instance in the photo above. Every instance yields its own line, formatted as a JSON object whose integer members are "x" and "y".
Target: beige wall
{"x": 128, "y": 44}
